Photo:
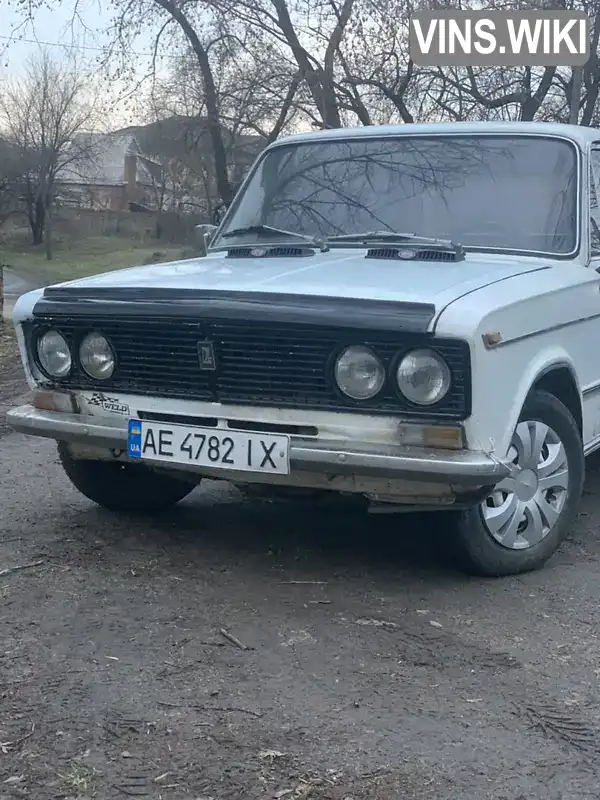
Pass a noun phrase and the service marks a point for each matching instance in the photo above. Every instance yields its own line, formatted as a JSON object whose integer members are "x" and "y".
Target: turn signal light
{"x": 449, "y": 437}
{"x": 54, "y": 401}
{"x": 44, "y": 401}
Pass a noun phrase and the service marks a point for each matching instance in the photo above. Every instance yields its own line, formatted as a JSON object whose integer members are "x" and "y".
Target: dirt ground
{"x": 369, "y": 670}
{"x": 12, "y": 381}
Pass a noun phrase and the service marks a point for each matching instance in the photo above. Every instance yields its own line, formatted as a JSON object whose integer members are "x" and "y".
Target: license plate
{"x": 208, "y": 447}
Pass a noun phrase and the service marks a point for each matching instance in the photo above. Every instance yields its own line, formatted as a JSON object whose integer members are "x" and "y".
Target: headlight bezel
{"x": 39, "y": 334}
{"x": 395, "y": 366}
{"x": 341, "y": 352}
{"x": 80, "y": 342}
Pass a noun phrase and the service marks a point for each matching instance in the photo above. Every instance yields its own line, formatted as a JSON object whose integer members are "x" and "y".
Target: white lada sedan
{"x": 407, "y": 313}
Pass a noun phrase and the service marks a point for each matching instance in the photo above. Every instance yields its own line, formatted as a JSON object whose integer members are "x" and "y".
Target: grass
{"x": 89, "y": 256}
{"x": 80, "y": 779}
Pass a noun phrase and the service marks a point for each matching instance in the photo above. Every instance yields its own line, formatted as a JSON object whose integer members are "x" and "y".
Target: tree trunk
{"x": 210, "y": 96}
{"x": 285, "y": 107}
{"x": 48, "y": 235}
{"x": 37, "y": 221}
{"x": 591, "y": 76}
{"x": 322, "y": 93}
{"x": 532, "y": 103}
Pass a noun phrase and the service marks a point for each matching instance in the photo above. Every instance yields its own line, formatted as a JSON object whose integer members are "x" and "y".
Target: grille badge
{"x": 206, "y": 355}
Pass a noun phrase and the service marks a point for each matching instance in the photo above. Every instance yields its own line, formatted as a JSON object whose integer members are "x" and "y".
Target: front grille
{"x": 268, "y": 363}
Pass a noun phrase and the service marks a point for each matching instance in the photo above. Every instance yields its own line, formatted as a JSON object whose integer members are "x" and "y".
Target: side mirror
{"x": 204, "y": 236}
{"x": 219, "y": 213}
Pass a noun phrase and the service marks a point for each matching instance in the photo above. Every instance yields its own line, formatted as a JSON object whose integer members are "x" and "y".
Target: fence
{"x": 168, "y": 227}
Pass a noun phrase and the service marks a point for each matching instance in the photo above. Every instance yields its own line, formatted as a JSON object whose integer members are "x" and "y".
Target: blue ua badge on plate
{"x": 134, "y": 439}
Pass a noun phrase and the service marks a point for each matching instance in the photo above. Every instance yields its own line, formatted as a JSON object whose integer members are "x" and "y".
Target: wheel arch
{"x": 559, "y": 380}
{"x": 552, "y": 371}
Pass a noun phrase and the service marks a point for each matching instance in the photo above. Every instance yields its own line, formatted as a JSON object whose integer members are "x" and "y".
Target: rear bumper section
{"x": 463, "y": 470}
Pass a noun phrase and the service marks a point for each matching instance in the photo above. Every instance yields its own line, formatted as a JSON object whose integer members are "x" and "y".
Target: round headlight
{"x": 423, "y": 377}
{"x": 53, "y": 354}
{"x": 359, "y": 373}
{"x": 96, "y": 356}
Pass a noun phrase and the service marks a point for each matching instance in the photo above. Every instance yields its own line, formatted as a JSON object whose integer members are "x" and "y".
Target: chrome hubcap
{"x": 526, "y": 505}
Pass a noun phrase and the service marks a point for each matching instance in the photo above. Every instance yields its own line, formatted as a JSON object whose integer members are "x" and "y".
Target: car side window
{"x": 594, "y": 207}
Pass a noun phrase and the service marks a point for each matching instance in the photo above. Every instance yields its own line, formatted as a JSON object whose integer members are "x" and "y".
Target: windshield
{"x": 501, "y": 192}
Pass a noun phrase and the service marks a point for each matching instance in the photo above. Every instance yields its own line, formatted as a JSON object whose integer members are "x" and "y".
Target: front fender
{"x": 23, "y": 312}
{"x": 542, "y": 321}
{"x": 502, "y": 380}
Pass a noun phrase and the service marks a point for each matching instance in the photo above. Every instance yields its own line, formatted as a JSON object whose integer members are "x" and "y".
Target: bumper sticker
{"x": 111, "y": 404}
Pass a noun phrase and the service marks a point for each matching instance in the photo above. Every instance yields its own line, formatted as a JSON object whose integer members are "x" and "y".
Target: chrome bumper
{"x": 461, "y": 469}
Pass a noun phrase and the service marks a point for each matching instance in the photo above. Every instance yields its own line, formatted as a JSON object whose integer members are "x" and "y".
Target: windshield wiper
{"x": 390, "y": 236}
{"x": 266, "y": 230}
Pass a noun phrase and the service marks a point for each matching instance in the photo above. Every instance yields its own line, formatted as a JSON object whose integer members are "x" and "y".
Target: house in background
{"x": 183, "y": 146}
{"x": 162, "y": 166}
{"x": 109, "y": 172}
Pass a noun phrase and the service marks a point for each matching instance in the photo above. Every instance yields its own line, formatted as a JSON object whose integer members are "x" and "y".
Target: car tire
{"x": 130, "y": 488}
{"x": 479, "y": 531}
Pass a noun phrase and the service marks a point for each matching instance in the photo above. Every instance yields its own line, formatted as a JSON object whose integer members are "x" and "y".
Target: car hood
{"x": 336, "y": 273}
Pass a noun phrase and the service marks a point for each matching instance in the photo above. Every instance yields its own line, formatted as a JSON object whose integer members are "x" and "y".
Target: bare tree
{"x": 41, "y": 115}
{"x": 266, "y": 66}
{"x": 10, "y": 179}
{"x": 176, "y": 13}
{"x": 257, "y": 84}
{"x": 375, "y": 74}
{"x": 307, "y": 32}
{"x": 211, "y": 36}
{"x": 258, "y": 93}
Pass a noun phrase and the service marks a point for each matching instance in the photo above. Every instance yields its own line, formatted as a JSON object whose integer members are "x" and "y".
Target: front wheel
{"x": 123, "y": 487}
{"x": 525, "y": 518}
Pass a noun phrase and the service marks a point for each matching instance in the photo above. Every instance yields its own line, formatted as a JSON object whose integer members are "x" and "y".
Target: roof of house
{"x": 182, "y": 136}
{"x": 102, "y": 161}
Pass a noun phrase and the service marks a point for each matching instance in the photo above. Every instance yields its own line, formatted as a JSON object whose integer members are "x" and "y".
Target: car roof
{"x": 576, "y": 133}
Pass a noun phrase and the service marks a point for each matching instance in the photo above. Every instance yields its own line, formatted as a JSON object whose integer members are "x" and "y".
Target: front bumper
{"x": 464, "y": 470}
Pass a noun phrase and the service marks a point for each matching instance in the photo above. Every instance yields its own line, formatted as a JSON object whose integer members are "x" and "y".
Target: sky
{"x": 55, "y": 28}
